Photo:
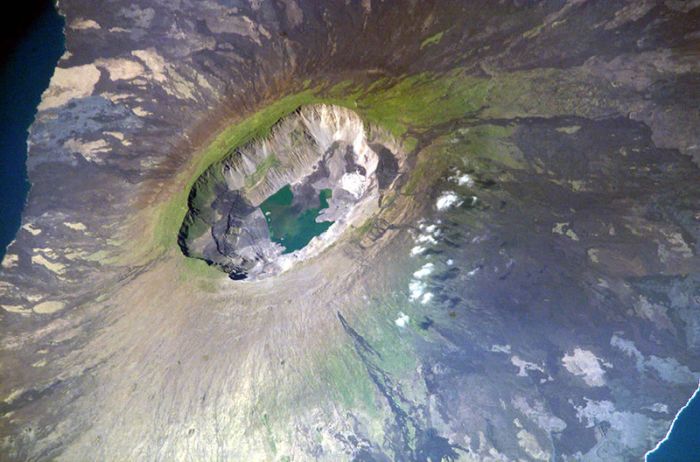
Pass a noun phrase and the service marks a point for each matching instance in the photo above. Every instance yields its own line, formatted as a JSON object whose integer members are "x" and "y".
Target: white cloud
{"x": 424, "y": 271}
{"x": 465, "y": 180}
{"x": 402, "y": 320}
{"x": 416, "y": 288}
{"x": 417, "y": 250}
{"x": 447, "y": 200}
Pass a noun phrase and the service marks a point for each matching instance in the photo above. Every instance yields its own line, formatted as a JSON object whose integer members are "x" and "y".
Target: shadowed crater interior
{"x": 284, "y": 198}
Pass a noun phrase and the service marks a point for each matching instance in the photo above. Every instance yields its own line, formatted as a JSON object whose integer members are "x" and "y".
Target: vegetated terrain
{"x": 526, "y": 290}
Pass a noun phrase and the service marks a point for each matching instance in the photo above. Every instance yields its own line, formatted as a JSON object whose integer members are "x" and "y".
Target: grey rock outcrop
{"x": 317, "y": 148}
{"x": 527, "y": 289}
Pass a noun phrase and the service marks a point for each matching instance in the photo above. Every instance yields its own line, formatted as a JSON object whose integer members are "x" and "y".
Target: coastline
{"x": 673, "y": 425}
{"x": 24, "y": 91}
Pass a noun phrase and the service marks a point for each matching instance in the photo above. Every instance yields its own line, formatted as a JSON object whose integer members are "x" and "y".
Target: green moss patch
{"x": 171, "y": 213}
{"x": 432, "y": 40}
{"x": 410, "y": 107}
{"x": 261, "y": 170}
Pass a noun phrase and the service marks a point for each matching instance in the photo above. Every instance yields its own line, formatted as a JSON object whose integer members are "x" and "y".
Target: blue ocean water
{"x": 683, "y": 442}
{"x": 24, "y": 75}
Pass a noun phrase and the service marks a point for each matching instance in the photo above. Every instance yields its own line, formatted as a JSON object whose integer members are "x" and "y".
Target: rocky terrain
{"x": 524, "y": 285}
{"x": 318, "y": 148}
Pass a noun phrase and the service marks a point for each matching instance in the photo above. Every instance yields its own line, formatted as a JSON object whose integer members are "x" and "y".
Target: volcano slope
{"x": 524, "y": 286}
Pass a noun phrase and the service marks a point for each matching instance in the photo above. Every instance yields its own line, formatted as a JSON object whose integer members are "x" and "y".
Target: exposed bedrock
{"x": 317, "y": 148}
{"x": 507, "y": 264}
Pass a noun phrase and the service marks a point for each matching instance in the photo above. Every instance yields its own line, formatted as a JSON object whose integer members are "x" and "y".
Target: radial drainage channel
{"x": 285, "y": 198}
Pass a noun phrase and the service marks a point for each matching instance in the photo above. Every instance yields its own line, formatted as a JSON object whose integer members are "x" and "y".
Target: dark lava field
{"x": 498, "y": 261}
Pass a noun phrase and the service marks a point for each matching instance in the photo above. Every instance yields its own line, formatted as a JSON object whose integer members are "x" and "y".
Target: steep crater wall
{"x": 320, "y": 150}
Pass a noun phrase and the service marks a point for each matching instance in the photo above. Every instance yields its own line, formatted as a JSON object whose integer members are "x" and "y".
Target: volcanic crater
{"x": 323, "y": 161}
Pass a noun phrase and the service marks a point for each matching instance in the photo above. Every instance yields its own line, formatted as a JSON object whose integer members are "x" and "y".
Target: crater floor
{"x": 319, "y": 153}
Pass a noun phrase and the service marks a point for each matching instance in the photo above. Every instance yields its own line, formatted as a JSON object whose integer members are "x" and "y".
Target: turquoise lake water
{"x": 24, "y": 76}
{"x": 291, "y": 226}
